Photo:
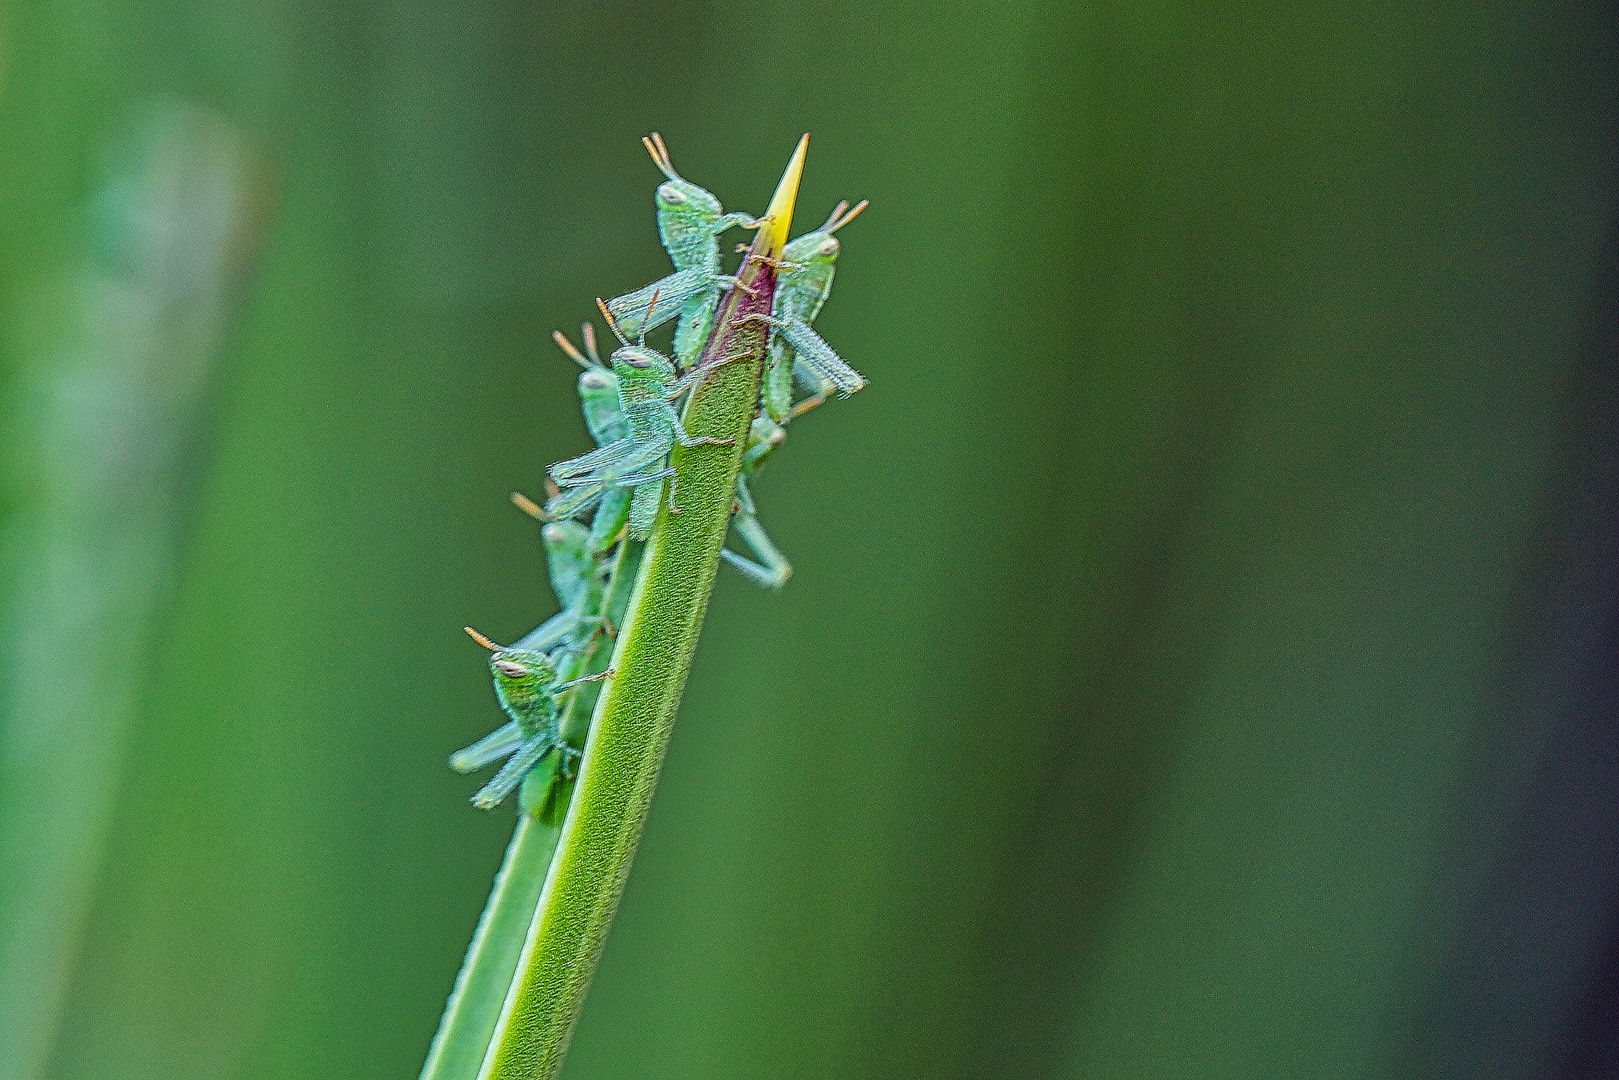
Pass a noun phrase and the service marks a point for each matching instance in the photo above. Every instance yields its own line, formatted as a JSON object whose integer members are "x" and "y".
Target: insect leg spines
{"x": 585, "y": 492}
{"x": 814, "y": 353}
{"x": 599, "y": 458}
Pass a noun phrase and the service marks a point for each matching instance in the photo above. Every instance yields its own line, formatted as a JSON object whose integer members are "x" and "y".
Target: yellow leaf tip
{"x": 780, "y": 212}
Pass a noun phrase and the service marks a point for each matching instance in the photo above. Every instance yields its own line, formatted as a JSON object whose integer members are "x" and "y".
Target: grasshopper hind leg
{"x": 511, "y": 774}
{"x": 772, "y": 570}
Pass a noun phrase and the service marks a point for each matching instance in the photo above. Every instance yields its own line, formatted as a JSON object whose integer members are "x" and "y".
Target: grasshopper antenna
{"x": 574, "y": 354}
{"x": 652, "y": 305}
{"x": 612, "y": 323}
{"x": 481, "y": 640}
{"x": 660, "y": 155}
{"x": 833, "y": 224}
{"x": 587, "y": 330}
{"x": 529, "y": 506}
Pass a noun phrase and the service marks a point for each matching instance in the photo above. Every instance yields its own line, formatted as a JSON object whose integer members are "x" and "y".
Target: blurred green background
{"x": 1184, "y": 617}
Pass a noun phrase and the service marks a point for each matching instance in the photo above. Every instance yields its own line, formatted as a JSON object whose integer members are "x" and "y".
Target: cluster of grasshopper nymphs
{"x": 631, "y": 408}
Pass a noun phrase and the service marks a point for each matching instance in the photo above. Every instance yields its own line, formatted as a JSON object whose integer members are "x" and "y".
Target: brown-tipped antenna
{"x": 573, "y": 354}
{"x": 833, "y": 224}
{"x": 587, "y": 330}
{"x": 612, "y": 323}
{"x": 831, "y": 221}
{"x": 651, "y": 306}
{"x": 529, "y": 506}
{"x": 481, "y": 640}
{"x": 660, "y": 155}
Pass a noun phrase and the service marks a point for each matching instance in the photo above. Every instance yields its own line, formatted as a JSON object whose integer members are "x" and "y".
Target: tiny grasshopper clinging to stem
{"x": 647, "y": 388}
{"x": 576, "y": 578}
{"x": 690, "y": 221}
{"x": 605, "y": 419}
{"x": 795, "y": 349}
{"x": 528, "y": 690}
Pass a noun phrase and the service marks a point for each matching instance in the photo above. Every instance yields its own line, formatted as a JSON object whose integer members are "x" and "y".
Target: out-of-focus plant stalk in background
{"x": 103, "y": 439}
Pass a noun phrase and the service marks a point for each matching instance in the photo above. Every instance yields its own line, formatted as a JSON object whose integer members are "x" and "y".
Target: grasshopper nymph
{"x": 647, "y": 386}
{"x": 604, "y": 418}
{"x": 576, "y": 578}
{"x": 527, "y": 688}
{"x": 690, "y": 221}
{"x": 795, "y": 349}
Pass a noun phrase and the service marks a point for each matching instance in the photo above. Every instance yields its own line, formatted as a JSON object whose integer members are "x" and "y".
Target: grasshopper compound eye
{"x": 595, "y": 380}
{"x": 670, "y": 194}
{"x": 511, "y": 669}
{"x": 829, "y": 247}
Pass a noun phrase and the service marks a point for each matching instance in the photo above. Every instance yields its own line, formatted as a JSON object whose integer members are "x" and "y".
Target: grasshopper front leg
{"x": 686, "y": 439}
{"x": 517, "y": 766}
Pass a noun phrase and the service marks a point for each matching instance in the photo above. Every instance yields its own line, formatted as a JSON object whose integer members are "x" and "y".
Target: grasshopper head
{"x": 640, "y": 362}
{"x": 522, "y": 677}
{"x": 679, "y": 197}
{"x": 814, "y": 249}
{"x": 820, "y": 248}
{"x": 682, "y": 198}
{"x": 564, "y": 536}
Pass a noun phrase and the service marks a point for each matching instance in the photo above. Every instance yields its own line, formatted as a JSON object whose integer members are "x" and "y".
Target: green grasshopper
{"x": 690, "y": 221}
{"x": 526, "y": 686}
{"x": 604, "y": 417}
{"x": 805, "y": 282}
{"x": 647, "y": 386}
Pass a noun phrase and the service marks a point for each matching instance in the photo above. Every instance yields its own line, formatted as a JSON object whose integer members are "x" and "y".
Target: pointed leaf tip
{"x": 781, "y": 203}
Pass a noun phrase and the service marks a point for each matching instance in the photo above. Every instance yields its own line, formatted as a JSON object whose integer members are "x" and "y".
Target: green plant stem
{"x": 486, "y": 973}
{"x": 485, "y": 978}
{"x": 575, "y": 723}
{"x": 636, "y": 710}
